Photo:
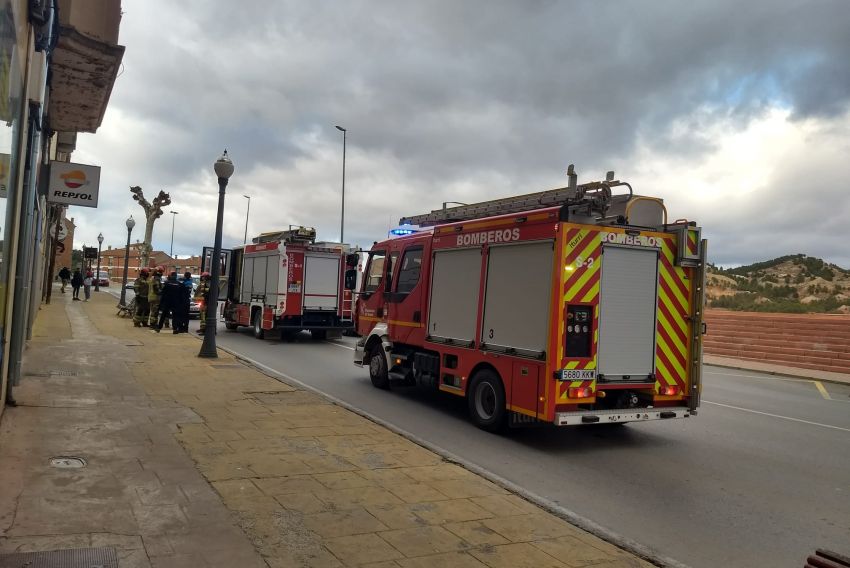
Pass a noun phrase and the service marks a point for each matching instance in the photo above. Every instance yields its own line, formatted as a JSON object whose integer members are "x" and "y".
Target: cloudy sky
{"x": 736, "y": 113}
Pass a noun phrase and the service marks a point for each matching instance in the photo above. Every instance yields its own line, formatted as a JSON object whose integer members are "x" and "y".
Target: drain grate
{"x": 104, "y": 557}
{"x": 67, "y": 462}
{"x": 226, "y": 366}
{"x": 63, "y": 373}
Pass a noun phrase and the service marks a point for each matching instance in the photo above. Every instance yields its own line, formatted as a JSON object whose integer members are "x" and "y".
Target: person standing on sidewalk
{"x": 65, "y": 277}
{"x": 140, "y": 287}
{"x": 185, "y": 300}
{"x": 76, "y": 282}
{"x": 87, "y": 282}
{"x": 169, "y": 301}
{"x": 154, "y": 290}
{"x": 202, "y": 297}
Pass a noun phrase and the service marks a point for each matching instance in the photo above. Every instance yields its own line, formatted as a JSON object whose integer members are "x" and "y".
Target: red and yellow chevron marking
{"x": 692, "y": 242}
{"x": 564, "y": 386}
{"x": 581, "y": 265}
{"x": 673, "y": 328}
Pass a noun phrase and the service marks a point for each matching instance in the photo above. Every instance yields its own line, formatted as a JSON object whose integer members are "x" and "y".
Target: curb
{"x": 778, "y": 373}
{"x": 624, "y": 543}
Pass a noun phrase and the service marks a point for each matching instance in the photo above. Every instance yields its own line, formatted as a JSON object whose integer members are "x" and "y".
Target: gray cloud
{"x": 456, "y": 101}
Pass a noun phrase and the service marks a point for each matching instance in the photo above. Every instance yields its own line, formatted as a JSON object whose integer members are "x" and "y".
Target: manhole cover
{"x": 105, "y": 557}
{"x": 67, "y": 462}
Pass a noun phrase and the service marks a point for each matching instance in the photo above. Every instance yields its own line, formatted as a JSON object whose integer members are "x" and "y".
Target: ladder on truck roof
{"x": 596, "y": 195}
{"x": 295, "y": 234}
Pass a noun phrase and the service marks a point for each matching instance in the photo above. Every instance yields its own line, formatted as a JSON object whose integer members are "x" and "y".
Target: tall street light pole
{"x": 173, "y": 216}
{"x": 342, "y": 216}
{"x": 247, "y": 212}
{"x": 97, "y": 276}
{"x": 223, "y": 169}
{"x": 130, "y": 224}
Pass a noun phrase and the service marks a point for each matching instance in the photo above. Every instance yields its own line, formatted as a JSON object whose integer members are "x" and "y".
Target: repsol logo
{"x": 634, "y": 240}
{"x": 485, "y": 237}
{"x": 72, "y": 195}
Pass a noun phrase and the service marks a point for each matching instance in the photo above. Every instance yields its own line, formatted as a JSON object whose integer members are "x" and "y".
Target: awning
{"x": 83, "y": 72}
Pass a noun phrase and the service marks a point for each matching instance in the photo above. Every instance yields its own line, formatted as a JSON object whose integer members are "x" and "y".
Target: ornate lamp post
{"x": 223, "y": 169}
{"x": 97, "y": 276}
{"x": 130, "y": 224}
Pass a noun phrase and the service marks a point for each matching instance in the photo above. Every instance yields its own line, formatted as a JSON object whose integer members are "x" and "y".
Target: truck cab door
{"x": 404, "y": 301}
{"x": 371, "y": 304}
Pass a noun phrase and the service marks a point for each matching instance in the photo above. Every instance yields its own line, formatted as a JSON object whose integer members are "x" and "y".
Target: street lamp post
{"x": 173, "y": 216}
{"x": 342, "y": 216}
{"x": 247, "y": 212}
{"x": 130, "y": 224}
{"x": 223, "y": 169}
{"x": 97, "y": 276}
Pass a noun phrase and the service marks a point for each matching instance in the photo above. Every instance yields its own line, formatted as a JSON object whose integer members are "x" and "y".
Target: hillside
{"x": 793, "y": 283}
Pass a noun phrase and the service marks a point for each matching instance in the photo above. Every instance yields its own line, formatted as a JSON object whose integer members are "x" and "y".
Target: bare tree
{"x": 153, "y": 211}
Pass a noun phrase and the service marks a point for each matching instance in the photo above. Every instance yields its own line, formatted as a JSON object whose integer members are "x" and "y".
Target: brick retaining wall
{"x": 809, "y": 341}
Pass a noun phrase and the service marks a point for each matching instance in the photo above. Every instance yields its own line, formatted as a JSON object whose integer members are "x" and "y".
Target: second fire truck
{"x": 286, "y": 281}
{"x": 571, "y": 306}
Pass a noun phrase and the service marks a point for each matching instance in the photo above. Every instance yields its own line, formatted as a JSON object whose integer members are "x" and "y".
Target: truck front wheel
{"x": 259, "y": 332}
{"x": 486, "y": 401}
{"x": 378, "y": 367}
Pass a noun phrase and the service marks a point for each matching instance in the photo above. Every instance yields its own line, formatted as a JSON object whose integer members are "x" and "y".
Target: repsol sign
{"x": 634, "y": 240}
{"x": 487, "y": 237}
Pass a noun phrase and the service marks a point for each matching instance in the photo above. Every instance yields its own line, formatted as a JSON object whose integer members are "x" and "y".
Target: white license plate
{"x": 578, "y": 374}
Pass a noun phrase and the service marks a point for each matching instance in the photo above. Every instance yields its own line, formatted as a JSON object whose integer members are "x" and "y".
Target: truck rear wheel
{"x": 259, "y": 332}
{"x": 230, "y": 326}
{"x": 378, "y": 371}
{"x": 486, "y": 399}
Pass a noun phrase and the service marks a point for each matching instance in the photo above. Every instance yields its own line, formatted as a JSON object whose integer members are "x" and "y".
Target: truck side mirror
{"x": 350, "y": 279}
{"x": 352, "y": 259}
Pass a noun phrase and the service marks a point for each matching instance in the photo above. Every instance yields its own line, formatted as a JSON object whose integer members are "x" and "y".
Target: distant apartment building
{"x": 112, "y": 261}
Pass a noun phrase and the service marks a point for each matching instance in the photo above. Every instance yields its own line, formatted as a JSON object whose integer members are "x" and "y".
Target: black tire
{"x": 378, "y": 371}
{"x": 257, "y": 322}
{"x": 231, "y": 326}
{"x": 319, "y": 334}
{"x": 486, "y": 400}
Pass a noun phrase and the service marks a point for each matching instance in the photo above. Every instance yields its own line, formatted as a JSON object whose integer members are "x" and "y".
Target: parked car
{"x": 103, "y": 278}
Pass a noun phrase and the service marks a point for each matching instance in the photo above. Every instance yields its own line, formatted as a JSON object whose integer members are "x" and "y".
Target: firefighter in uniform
{"x": 154, "y": 291}
{"x": 140, "y": 287}
{"x": 202, "y": 296}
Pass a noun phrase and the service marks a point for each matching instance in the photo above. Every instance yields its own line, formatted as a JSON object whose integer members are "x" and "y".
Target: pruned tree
{"x": 153, "y": 211}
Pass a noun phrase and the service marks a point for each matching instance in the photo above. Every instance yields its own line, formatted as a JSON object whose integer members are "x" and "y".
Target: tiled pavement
{"x": 195, "y": 462}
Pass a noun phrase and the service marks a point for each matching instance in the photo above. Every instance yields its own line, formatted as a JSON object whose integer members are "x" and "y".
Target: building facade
{"x": 112, "y": 261}
{"x": 58, "y": 62}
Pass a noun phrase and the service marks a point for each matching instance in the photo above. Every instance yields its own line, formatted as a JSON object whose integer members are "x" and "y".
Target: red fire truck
{"x": 285, "y": 280}
{"x": 570, "y": 306}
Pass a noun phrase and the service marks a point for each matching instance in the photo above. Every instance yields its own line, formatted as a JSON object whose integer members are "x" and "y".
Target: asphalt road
{"x": 760, "y": 478}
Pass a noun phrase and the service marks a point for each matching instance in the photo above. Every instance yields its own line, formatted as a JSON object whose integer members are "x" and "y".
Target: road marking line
{"x": 340, "y": 345}
{"x": 822, "y": 390}
{"x": 777, "y": 416}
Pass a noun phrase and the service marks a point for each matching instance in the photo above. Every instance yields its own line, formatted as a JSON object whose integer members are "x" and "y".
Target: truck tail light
{"x": 668, "y": 391}
{"x": 580, "y": 392}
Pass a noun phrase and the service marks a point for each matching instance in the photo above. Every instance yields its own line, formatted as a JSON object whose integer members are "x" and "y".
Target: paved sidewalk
{"x": 774, "y": 369}
{"x": 307, "y": 482}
